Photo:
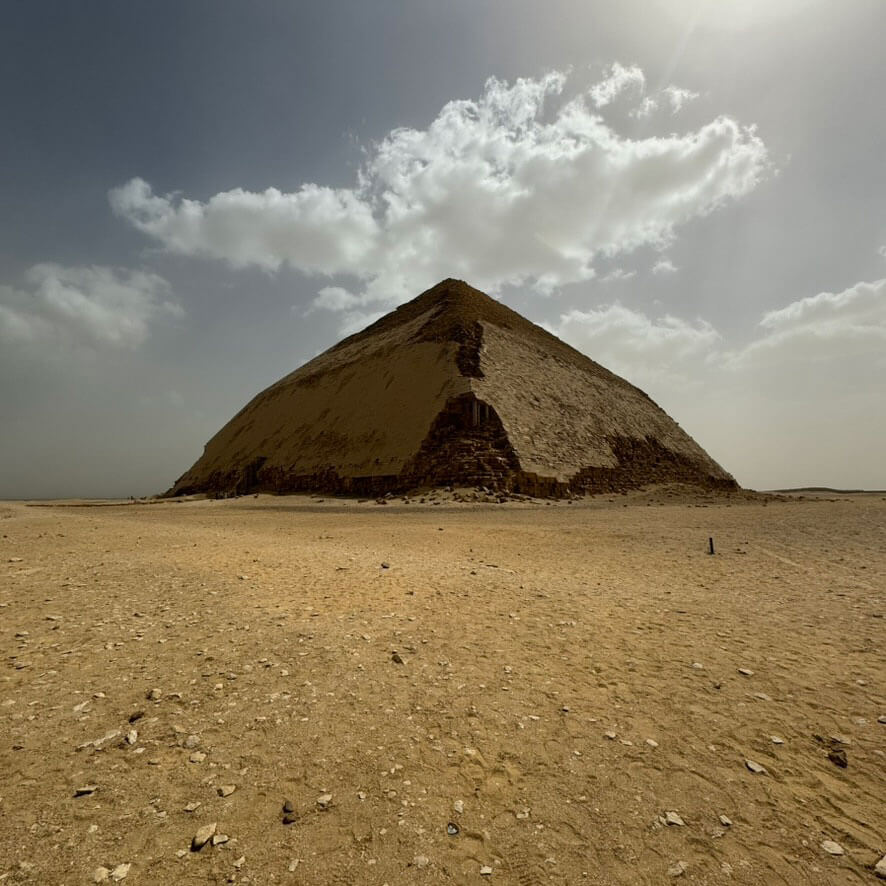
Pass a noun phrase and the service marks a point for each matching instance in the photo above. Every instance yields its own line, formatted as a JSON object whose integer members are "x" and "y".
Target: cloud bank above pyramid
{"x": 452, "y": 388}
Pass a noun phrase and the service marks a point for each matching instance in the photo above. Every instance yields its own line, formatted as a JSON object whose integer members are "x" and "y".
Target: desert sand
{"x": 523, "y": 693}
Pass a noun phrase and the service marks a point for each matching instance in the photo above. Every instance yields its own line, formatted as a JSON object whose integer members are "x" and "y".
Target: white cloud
{"x": 517, "y": 187}
{"x": 95, "y": 306}
{"x": 678, "y": 98}
{"x": 634, "y": 345}
{"x": 618, "y": 274}
{"x": 882, "y": 251}
{"x": 619, "y": 80}
{"x": 664, "y": 266}
{"x": 646, "y": 107}
{"x": 816, "y": 371}
{"x": 335, "y": 298}
{"x": 317, "y": 229}
{"x": 845, "y": 328}
{"x": 821, "y": 333}
{"x": 675, "y": 96}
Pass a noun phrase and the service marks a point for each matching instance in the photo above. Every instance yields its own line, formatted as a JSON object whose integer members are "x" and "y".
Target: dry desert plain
{"x": 577, "y": 694}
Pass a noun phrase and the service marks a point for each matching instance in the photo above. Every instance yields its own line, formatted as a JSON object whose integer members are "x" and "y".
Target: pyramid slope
{"x": 450, "y": 388}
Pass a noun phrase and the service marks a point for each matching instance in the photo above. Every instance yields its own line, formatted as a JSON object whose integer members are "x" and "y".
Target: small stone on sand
{"x": 203, "y": 836}
{"x": 119, "y": 873}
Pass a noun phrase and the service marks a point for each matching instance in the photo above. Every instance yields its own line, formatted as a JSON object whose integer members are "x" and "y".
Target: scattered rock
{"x": 85, "y": 790}
{"x": 289, "y": 818}
{"x": 881, "y": 718}
{"x": 226, "y": 790}
{"x": 133, "y": 718}
{"x": 119, "y": 873}
{"x": 288, "y": 806}
{"x": 652, "y": 742}
{"x": 880, "y": 868}
{"x": 100, "y": 875}
{"x": 421, "y": 861}
{"x": 698, "y": 665}
{"x": 131, "y": 737}
{"x": 747, "y": 672}
{"x": 203, "y": 836}
{"x": 154, "y": 695}
{"x": 324, "y": 801}
{"x": 240, "y": 862}
{"x": 191, "y": 807}
{"x": 776, "y": 739}
{"x": 837, "y": 756}
{"x": 725, "y": 821}
{"x": 218, "y": 839}
{"x": 452, "y": 829}
{"x": 459, "y": 806}
{"x": 678, "y": 869}
{"x": 192, "y": 741}
{"x": 832, "y": 848}
{"x": 610, "y": 735}
{"x": 396, "y": 658}
{"x": 99, "y": 742}
{"x": 756, "y": 768}
{"x": 485, "y": 871}
{"x": 386, "y": 565}
{"x": 197, "y": 757}
{"x": 672, "y": 818}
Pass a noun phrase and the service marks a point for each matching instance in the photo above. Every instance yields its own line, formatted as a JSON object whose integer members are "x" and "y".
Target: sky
{"x": 198, "y": 197}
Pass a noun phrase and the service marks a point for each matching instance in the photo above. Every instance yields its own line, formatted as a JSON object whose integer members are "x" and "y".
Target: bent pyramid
{"x": 452, "y": 388}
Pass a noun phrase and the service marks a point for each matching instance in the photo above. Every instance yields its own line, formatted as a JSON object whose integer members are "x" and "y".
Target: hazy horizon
{"x": 200, "y": 198}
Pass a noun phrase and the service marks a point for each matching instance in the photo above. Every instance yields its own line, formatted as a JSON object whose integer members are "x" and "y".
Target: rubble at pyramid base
{"x": 467, "y": 446}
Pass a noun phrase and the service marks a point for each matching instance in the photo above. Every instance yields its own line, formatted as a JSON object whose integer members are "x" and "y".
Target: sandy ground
{"x": 568, "y": 676}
